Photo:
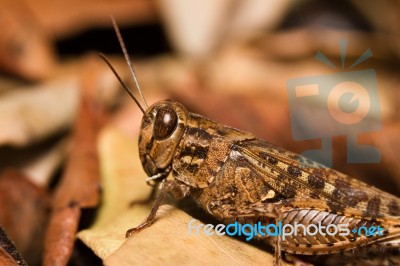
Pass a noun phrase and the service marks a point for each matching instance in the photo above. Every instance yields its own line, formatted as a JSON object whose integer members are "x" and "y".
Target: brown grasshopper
{"x": 235, "y": 176}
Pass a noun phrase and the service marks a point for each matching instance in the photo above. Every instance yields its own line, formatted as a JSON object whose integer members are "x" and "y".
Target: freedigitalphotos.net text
{"x": 252, "y": 230}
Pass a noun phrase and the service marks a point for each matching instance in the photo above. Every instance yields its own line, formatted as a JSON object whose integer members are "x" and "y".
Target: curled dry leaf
{"x": 8, "y": 254}
{"x": 33, "y": 113}
{"x": 6, "y": 259}
{"x": 60, "y": 235}
{"x": 23, "y": 213}
{"x": 123, "y": 180}
{"x": 37, "y": 162}
{"x": 25, "y": 50}
{"x": 80, "y": 184}
{"x": 41, "y": 169}
{"x": 30, "y": 114}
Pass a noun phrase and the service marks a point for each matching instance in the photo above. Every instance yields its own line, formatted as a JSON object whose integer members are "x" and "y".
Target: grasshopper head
{"x": 162, "y": 128}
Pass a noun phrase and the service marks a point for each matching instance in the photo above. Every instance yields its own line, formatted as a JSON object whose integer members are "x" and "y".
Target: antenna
{"x": 120, "y": 81}
{"x": 128, "y": 61}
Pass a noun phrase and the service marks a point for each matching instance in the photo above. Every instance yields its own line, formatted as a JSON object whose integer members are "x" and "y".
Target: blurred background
{"x": 229, "y": 60}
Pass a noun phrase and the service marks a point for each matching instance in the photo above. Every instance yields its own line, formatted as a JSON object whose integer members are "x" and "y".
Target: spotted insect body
{"x": 235, "y": 176}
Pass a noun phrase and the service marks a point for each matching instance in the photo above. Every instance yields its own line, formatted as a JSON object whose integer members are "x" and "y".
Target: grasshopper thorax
{"x": 161, "y": 130}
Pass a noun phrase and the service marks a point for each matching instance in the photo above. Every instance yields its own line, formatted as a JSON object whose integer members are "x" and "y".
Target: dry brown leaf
{"x": 25, "y": 50}
{"x": 58, "y": 19}
{"x": 6, "y": 259}
{"x": 42, "y": 168}
{"x": 23, "y": 213}
{"x": 60, "y": 235}
{"x": 31, "y": 114}
{"x": 123, "y": 180}
{"x": 80, "y": 184}
{"x": 81, "y": 177}
{"x": 37, "y": 162}
{"x": 8, "y": 254}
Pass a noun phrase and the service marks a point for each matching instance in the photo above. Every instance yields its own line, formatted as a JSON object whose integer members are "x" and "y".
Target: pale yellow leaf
{"x": 35, "y": 112}
{"x": 167, "y": 242}
{"x": 122, "y": 182}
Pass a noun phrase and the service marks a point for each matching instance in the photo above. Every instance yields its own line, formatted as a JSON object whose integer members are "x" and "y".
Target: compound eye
{"x": 165, "y": 123}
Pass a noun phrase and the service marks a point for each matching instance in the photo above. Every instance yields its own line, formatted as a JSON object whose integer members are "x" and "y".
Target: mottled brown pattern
{"x": 233, "y": 190}
{"x": 374, "y": 206}
{"x": 289, "y": 191}
{"x": 294, "y": 171}
{"x": 234, "y": 176}
{"x": 316, "y": 180}
{"x": 280, "y": 177}
{"x": 195, "y": 151}
{"x": 272, "y": 160}
{"x": 353, "y": 197}
{"x": 340, "y": 183}
{"x": 294, "y": 157}
{"x": 338, "y": 194}
{"x": 335, "y": 206}
{"x": 192, "y": 168}
{"x": 263, "y": 155}
{"x": 315, "y": 195}
{"x": 394, "y": 208}
{"x": 200, "y": 133}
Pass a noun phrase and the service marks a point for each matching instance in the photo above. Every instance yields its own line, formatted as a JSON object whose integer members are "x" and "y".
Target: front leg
{"x": 174, "y": 187}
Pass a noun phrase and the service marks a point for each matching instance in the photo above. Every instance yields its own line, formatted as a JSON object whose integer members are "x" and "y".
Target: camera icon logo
{"x": 342, "y": 103}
